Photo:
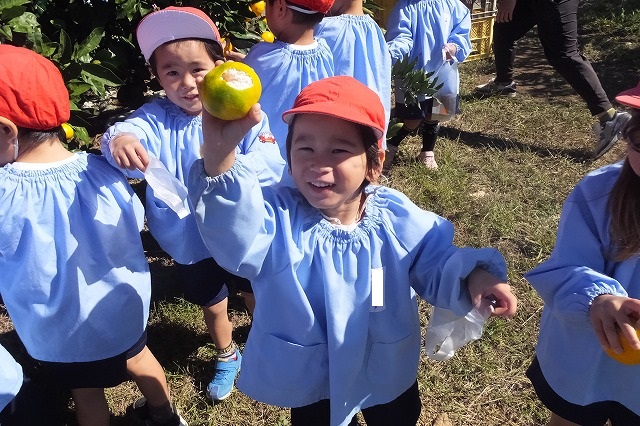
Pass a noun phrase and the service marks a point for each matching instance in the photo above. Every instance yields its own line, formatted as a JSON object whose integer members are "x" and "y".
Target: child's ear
{"x": 8, "y": 130}
{"x": 374, "y": 173}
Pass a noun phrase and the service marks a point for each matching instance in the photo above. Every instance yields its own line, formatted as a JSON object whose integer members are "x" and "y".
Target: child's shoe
{"x": 496, "y": 88}
{"x": 428, "y": 159}
{"x": 221, "y": 385}
{"x": 609, "y": 133}
{"x": 141, "y": 410}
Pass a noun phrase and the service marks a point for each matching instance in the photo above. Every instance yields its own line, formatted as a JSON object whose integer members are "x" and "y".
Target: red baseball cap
{"x": 310, "y": 6}
{"x": 174, "y": 23}
{"x": 341, "y": 97}
{"x": 32, "y": 91}
{"x": 630, "y": 97}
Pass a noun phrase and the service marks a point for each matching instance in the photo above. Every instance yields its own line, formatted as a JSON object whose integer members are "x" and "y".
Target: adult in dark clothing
{"x": 557, "y": 22}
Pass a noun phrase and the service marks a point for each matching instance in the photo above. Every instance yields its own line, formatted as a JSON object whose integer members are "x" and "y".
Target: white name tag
{"x": 377, "y": 289}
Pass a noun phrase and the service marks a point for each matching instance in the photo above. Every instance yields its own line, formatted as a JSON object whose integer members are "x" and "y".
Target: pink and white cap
{"x": 174, "y": 23}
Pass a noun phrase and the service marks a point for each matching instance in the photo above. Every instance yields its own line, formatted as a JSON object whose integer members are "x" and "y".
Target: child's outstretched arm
{"x": 488, "y": 290}
{"x": 608, "y": 313}
{"x": 220, "y": 139}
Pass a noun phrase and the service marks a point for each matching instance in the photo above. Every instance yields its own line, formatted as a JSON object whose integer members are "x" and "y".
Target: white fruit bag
{"x": 167, "y": 187}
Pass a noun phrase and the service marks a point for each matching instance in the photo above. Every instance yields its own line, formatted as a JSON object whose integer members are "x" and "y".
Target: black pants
{"x": 557, "y": 22}
{"x": 402, "y": 411}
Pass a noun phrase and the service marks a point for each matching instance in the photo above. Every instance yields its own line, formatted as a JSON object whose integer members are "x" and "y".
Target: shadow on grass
{"x": 479, "y": 140}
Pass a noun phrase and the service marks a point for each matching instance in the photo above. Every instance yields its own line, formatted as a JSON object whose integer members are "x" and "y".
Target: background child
{"x": 182, "y": 44}
{"x": 591, "y": 288}
{"x": 359, "y": 48}
{"x": 423, "y": 29}
{"x": 75, "y": 280}
{"x": 333, "y": 262}
{"x": 291, "y": 62}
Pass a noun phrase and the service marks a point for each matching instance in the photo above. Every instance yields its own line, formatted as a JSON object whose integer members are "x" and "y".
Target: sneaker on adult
{"x": 141, "y": 410}
{"x": 609, "y": 132}
{"x": 494, "y": 87}
{"x": 221, "y": 385}
{"x": 428, "y": 159}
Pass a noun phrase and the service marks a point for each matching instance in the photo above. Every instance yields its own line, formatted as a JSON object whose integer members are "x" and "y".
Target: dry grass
{"x": 506, "y": 165}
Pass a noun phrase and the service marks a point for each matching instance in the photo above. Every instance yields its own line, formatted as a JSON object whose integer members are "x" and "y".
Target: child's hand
{"x": 486, "y": 289}
{"x": 609, "y": 313}
{"x": 128, "y": 152}
{"x": 450, "y": 51}
{"x": 221, "y": 138}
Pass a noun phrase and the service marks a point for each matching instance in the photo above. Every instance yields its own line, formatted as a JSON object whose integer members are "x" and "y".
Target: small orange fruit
{"x": 230, "y": 90}
{"x": 228, "y": 47}
{"x": 629, "y": 356}
{"x": 258, "y": 7}
{"x": 268, "y": 36}
{"x": 68, "y": 131}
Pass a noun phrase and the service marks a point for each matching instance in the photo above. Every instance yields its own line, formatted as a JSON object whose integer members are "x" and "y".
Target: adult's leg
{"x": 505, "y": 39}
{"x": 558, "y": 32}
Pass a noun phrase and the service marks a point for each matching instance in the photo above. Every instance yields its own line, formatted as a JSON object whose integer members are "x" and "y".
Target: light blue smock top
{"x": 360, "y": 51}
{"x": 174, "y": 137}
{"x": 420, "y": 29}
{"x": 75, "y": 280}
{"x": 10, "y": 378}
{"x": 578, "y": 270}
{"x": 317, "y": 329}
{"x": 284, "y": 70}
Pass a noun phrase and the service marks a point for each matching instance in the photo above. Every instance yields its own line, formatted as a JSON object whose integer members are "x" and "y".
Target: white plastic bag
{"x": 444, "y": 105}
{"x": 167, "y": 188}
{"x": 447, "y": 332}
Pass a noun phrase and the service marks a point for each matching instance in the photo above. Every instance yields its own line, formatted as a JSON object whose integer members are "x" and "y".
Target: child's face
{"x": 329, "y": 164}
{"x": 178, "y": 65}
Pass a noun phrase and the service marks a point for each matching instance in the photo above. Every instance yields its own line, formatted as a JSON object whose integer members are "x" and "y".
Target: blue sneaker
{"x": 221, "y": 385}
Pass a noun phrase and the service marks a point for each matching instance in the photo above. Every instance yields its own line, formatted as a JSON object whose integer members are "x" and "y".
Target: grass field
{"x": 506, "y": 165}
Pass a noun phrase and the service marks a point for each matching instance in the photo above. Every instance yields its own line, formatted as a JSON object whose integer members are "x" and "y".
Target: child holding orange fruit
{"x": 591, "y": 289}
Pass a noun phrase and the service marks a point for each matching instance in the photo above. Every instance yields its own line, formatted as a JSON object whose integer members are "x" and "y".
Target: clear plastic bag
{"x": 447, "y": 332}
{"x": 167, "y": 187}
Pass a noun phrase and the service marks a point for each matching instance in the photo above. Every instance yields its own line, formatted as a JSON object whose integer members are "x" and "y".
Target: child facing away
{"x": 335, "y": 262}
{"x": 435, "y": 33}
{"x": 291, "y": 62}
{"x": 182, "y": 44}
{"x": 75, "y": 280}
{"x": 591, "y": 289}
{"x": 359, "y": 48}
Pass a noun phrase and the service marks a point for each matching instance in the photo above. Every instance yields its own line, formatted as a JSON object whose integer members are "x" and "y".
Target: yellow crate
{"x": 481, "y": 36}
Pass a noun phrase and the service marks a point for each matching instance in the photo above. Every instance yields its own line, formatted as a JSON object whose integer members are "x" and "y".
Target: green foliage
{"x": 415, "y": 83}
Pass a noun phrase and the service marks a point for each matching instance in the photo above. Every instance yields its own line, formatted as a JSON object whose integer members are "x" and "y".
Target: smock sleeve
{"x": 235, "y": 222}
{"x": 261, "y": 149}
{"x": 574, "y": 274}
{"x": 399, "y": 34}
{"x": 10, "y": 378}
{"x": 460, "y": 32}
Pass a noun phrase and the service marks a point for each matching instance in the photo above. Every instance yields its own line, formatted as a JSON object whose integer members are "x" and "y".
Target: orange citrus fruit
{"x": 258, "y": 7}
{"x": 230, "y": 90}
{"x": 228, "y": 47}
{"x": 68, "y": 131}
{"x": 268, "y": 36}
{"x": 629, "y": 355}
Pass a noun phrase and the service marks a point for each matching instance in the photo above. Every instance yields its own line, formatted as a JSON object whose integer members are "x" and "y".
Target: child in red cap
{"x": 290, "y": 63}
{"x": 591, "y": 289}
{"x": 181, "y": 44}
{"x": 75, "y": 280}
{"x": 335, "y": 262}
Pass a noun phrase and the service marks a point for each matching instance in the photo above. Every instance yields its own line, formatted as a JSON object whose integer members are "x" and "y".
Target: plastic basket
{"x": 481, "y": 34}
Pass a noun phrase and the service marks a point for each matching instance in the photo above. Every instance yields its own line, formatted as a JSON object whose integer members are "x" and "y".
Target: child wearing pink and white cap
{"x": 335, "y": 262}
{"x": 181, "y": 44}
{"x": 295, "y": 59}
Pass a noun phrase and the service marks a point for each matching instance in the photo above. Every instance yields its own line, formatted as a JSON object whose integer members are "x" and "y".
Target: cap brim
{"x": 329, "y": 109}
{"x": 166, "y": 25}
{"x": 630, "y": 97}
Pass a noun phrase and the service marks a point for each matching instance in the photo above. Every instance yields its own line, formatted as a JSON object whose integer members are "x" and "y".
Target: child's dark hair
{"x": 213, "y": 49}
{"x": 39, "y": 136}
{"x": 369, "y": 141}
{"x": 624, "y": 201}
{"x": 308, "y": 19}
